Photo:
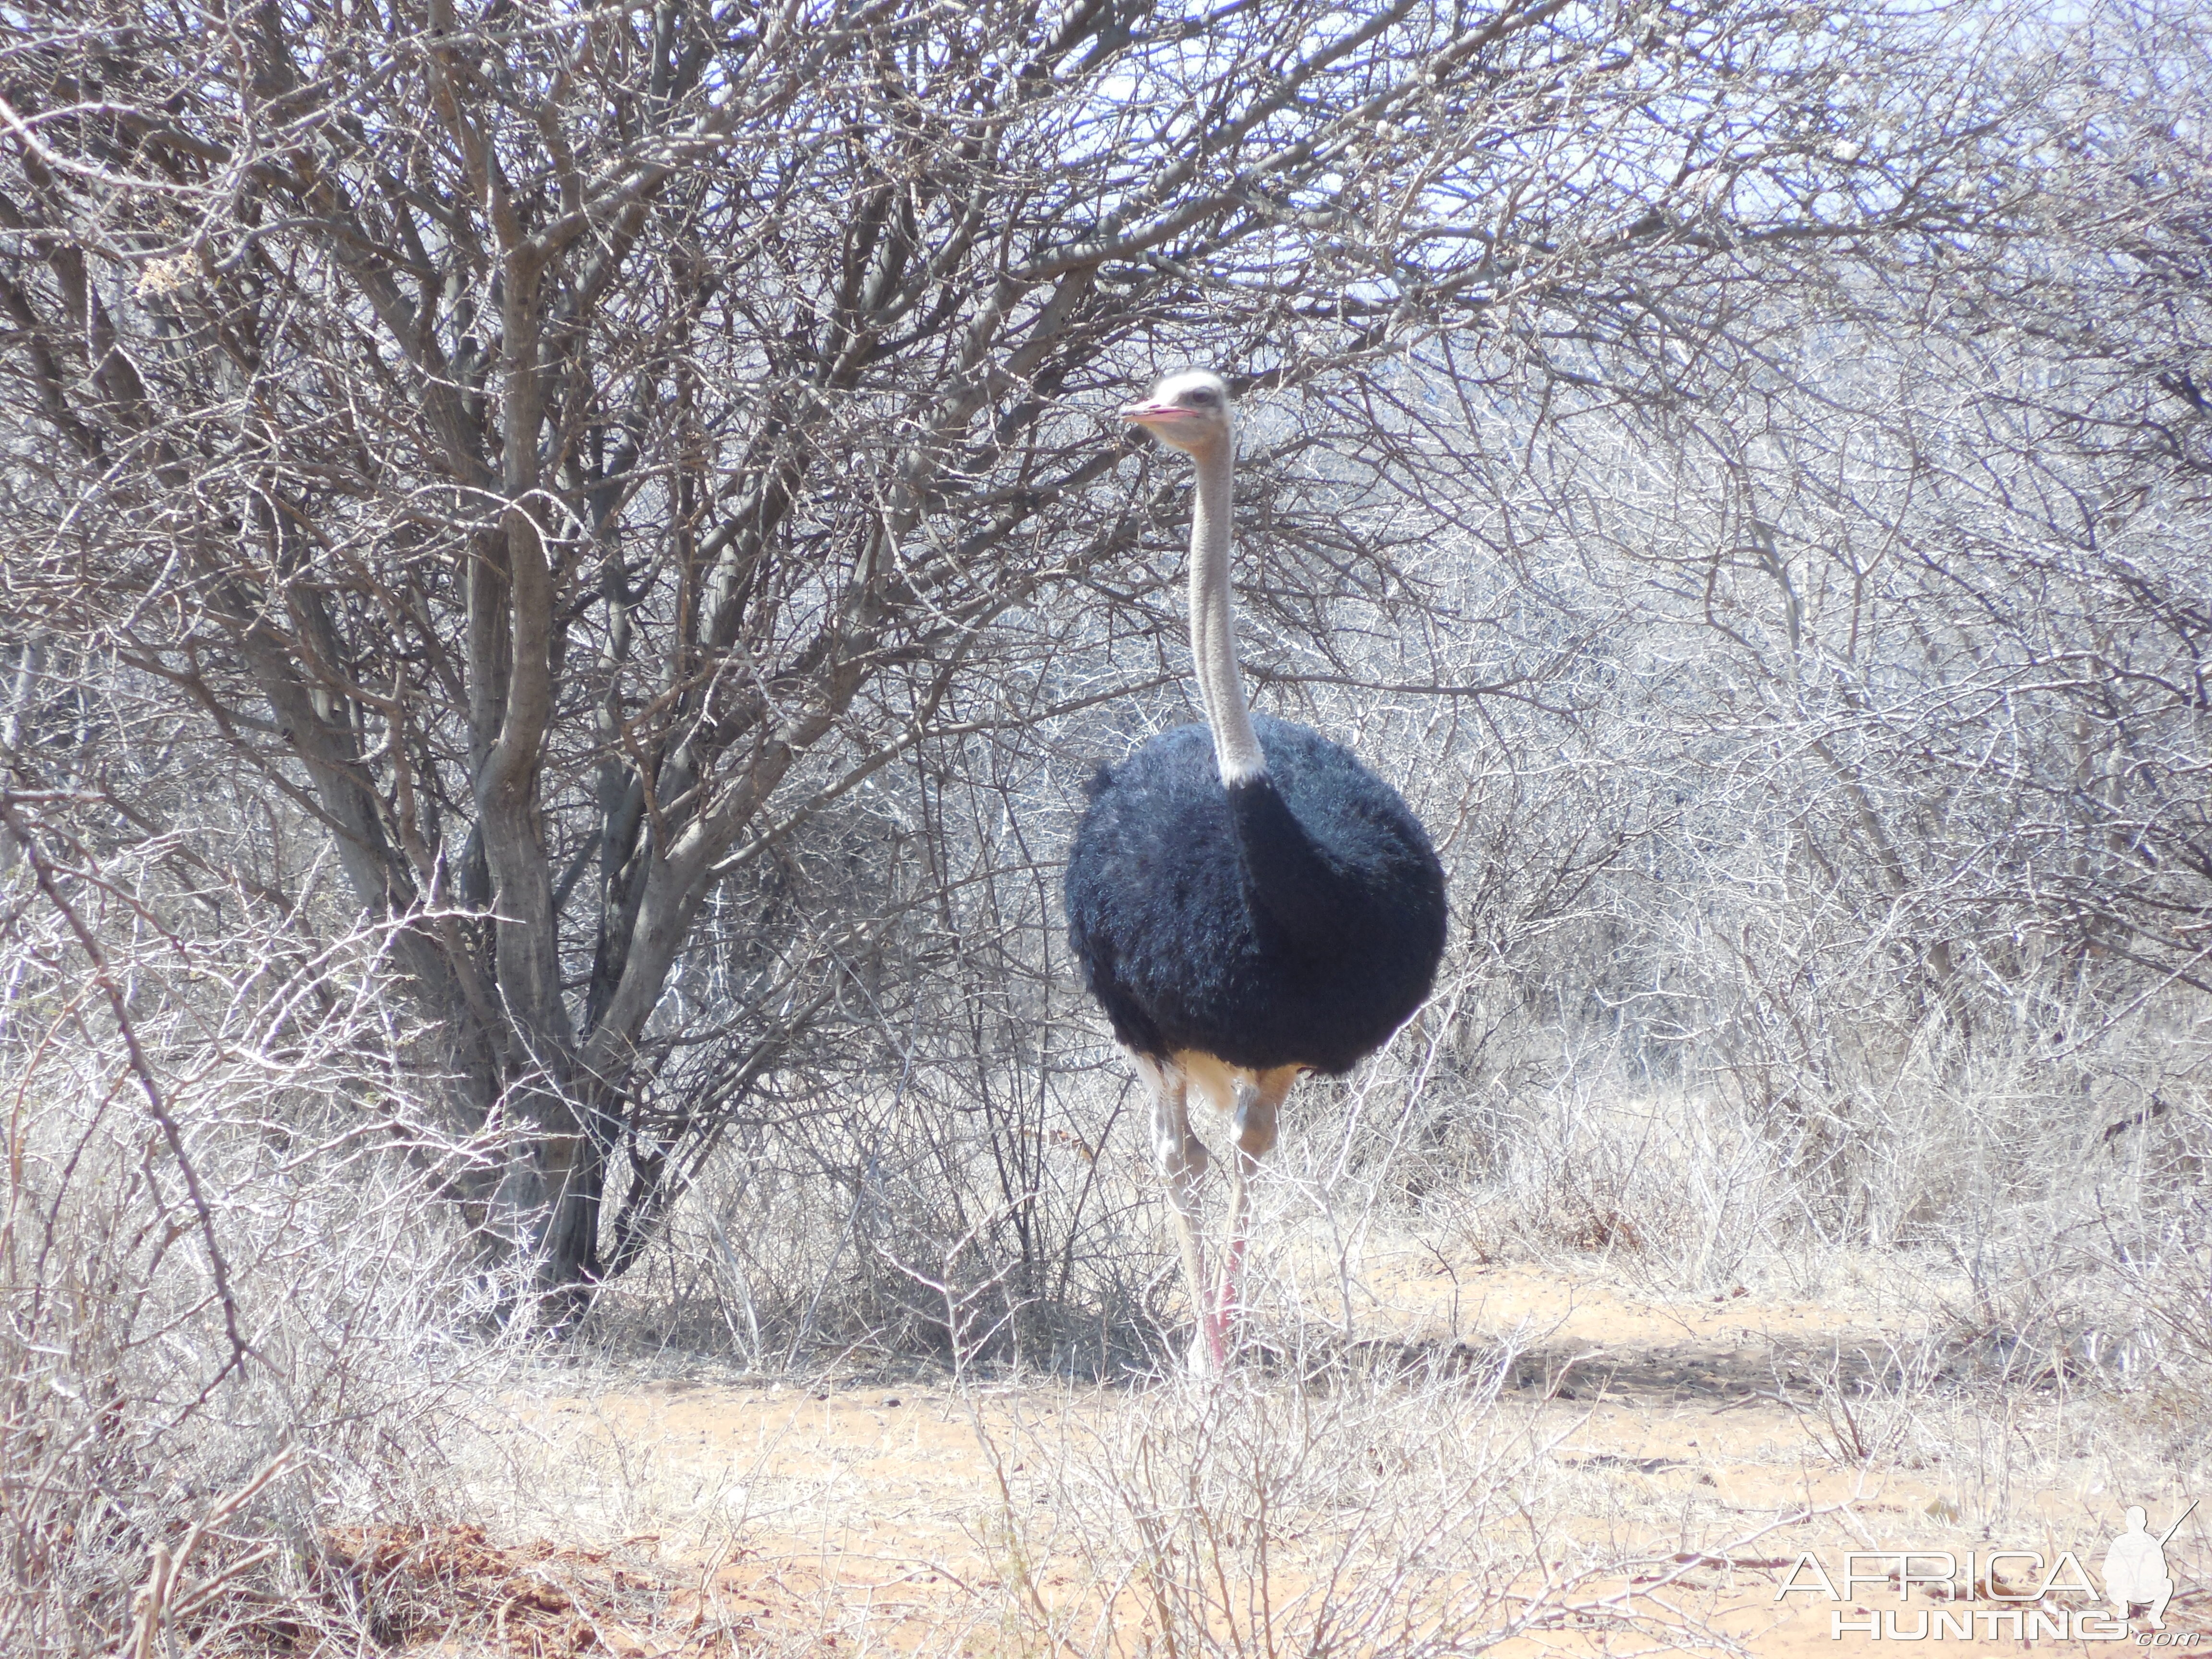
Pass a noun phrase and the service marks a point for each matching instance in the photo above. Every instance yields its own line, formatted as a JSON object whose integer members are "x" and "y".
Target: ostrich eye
{"x": 1203, "y": 400}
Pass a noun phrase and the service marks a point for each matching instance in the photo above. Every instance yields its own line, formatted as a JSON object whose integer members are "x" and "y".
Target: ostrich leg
{"x": 1255, "y": 1103}
{"x": 1182, "y": 1158}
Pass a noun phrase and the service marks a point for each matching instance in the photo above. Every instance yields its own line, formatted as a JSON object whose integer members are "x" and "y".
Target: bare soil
{"x": 1662, "y": 1465}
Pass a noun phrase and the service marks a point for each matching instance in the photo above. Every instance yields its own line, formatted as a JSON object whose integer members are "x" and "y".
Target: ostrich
{"x": 1249, "y": 903}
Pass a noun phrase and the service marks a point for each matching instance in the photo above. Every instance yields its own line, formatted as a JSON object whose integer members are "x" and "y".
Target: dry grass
{"x": 1642, "y": 1470}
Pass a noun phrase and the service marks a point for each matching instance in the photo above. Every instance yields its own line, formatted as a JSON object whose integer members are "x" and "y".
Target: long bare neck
{"x": 1213, "y": 623}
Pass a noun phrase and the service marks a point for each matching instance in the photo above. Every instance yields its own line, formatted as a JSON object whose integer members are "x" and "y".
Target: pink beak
{"x": 1145, "y": 414}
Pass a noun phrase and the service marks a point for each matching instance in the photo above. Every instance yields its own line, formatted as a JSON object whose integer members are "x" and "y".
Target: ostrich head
{"x": 1188, "y": 411}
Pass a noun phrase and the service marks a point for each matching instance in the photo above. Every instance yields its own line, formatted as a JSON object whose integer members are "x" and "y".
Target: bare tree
{"x": 567, "y": 452}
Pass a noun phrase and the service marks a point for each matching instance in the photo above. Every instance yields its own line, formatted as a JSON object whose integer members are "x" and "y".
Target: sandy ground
{"x": 1550, "y": 1462}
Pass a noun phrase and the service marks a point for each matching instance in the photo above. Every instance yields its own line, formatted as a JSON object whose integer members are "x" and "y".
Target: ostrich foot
{"x": 1203, "y": 1360}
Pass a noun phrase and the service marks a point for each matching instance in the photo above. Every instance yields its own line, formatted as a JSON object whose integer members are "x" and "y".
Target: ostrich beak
{"x": 1149, "y": 413}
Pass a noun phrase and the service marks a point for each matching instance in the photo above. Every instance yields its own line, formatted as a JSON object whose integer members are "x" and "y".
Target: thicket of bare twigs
{"x": 565, "y": 569}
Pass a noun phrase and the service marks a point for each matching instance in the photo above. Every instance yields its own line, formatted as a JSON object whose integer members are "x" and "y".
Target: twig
{"x": 156, "y": 1603}
{"x": 148, "y": 1084}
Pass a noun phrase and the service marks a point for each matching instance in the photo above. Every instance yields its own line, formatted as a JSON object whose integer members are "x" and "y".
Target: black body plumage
{"x": 1295, "y": 919}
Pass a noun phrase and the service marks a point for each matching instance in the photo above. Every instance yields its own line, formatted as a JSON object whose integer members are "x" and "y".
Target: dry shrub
{"x": 1363, "y": 1509}
{"x": 236, "y": 1303}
